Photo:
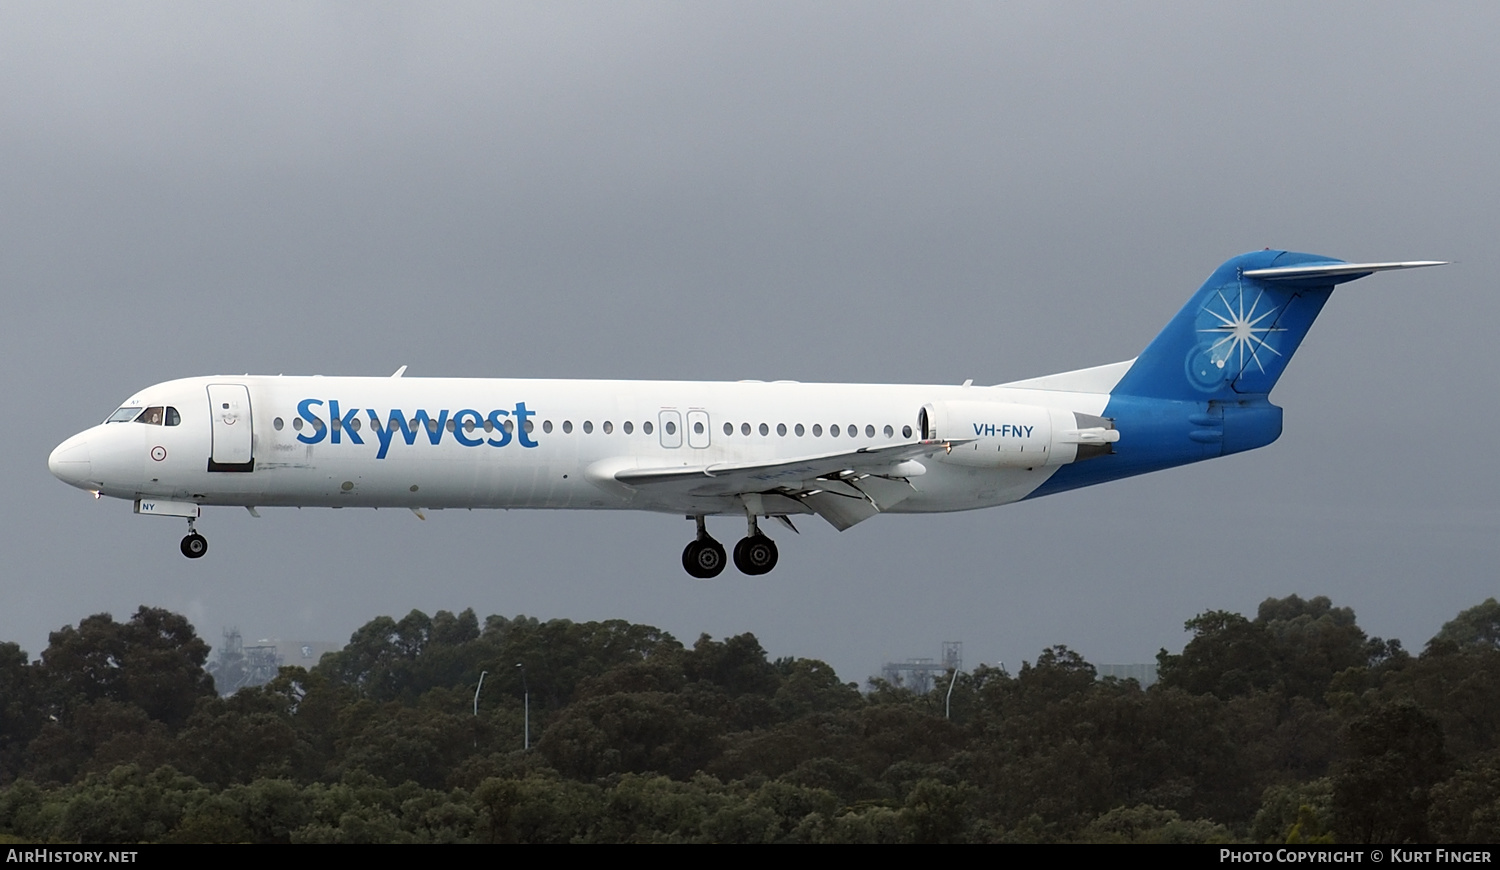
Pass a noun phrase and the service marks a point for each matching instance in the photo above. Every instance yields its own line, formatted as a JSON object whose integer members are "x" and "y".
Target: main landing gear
{"x": 755, "y": 553}
{"x": 704, "y": 557}
{"x": 194, "y": 545}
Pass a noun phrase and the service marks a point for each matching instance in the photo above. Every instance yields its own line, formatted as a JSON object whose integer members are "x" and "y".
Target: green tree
{"x": 1148, "y": 824}
{"x": 21, "y": 712}
{"x": 1394, "y": 757}
{"x": 1294, "y": 646}
{"x": 1477, "y": 626}
{"x": 1466, "y": 808}
{"x": 646, "y": 732}
{"x": 154, "y": 662}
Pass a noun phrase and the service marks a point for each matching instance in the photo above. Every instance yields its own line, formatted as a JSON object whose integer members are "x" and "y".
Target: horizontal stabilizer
{"x": 1346, "y": 271}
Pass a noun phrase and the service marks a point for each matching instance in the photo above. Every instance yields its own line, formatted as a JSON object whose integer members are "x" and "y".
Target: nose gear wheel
{"x": 194, "y": 546}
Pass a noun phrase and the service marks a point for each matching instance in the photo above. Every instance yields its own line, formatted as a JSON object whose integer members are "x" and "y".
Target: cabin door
{"x": 229, "y": 413}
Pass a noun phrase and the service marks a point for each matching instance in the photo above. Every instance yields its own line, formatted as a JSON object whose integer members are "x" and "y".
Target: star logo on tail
{"x": 1243, "y": 333}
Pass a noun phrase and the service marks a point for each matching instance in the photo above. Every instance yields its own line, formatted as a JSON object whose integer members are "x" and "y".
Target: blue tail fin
{"x": 1235, "y": 336}
{"x": 1199, "y": 390}
{"x": 1237, "y": 333}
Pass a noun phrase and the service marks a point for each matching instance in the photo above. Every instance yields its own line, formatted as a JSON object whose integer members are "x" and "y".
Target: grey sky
{"x": 840, "y": 192}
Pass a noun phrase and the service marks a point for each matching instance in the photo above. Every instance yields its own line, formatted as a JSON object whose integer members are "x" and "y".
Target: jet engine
{"x": 1008, "y": 435}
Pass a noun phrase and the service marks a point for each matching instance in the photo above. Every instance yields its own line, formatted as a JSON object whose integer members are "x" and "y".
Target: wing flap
{"x": 840, "y": 511}
{"x": 842, "y": 488}
{"x": 727, "y": 478}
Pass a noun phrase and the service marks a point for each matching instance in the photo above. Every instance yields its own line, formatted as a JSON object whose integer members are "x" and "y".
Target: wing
{"x": 842, "y": 488}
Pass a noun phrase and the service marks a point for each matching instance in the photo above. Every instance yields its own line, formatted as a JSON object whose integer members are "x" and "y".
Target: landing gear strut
{"x": 755, "y": 554}
{"x": 194, "y": 545}
{"x": 703, "y": 558}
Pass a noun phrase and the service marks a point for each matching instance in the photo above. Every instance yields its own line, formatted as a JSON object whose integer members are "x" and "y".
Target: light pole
{"x": 476, "y": 706}
{"x": 526, "y": 701}
{"x": 476, "y": 691}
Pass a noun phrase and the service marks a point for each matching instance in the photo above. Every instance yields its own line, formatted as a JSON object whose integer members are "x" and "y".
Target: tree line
{"x": 1291, "y": 726}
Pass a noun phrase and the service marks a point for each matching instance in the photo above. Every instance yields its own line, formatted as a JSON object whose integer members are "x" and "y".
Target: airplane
{"x": 844, "y": 452}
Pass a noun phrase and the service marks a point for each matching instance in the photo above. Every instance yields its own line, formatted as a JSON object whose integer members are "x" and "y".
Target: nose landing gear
{"x": 194, "y": 545}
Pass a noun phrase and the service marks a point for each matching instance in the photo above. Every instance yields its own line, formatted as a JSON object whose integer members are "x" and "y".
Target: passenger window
{"x": 629, "y": 427}
{"x": 608, "y": 427}
{"x": 567, "y": 427}
{"x": 451, "y": 426}
{"x": 646, "y": 427}
{"x": 354, "y": 425}
{"x": 671, "y": 428}
{"x": 764, "y": 429}
{"x": 530, "y": 426}
{"x": 781, "y": 429}
{"x": 817, "y": 430}
{"x": 728, "y": 428}
{"x": 173, "y": 418}
{"x": 277, "y": 424}
{"x": 547, "y": 426}
{"x": 799, "y": 430}
{"x": 889, "y": 432}
{"x": 469, "y": 426}
{"x": 905, "y": 431}
{"x": 509, "y": 426}
{"x": 869, "y": 431}
{"x": 489, "y": 425}
{"x": 853, "y": 430}
{"x": 744, "y": 428}
{"x": 588, "y": 427}
{"x": 833, "y": 431}
{"x": 297, "y": 423}
{"x": 698, "y": 428}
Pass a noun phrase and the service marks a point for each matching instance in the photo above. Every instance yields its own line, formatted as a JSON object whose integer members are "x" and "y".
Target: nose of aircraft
{"x": 70, "y": 462}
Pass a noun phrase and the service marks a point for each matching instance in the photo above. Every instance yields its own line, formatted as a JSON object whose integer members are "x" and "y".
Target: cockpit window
{"x": 124, "y": 415}
{"x": 173, "y": 418}
{"x": 152, "y": 416}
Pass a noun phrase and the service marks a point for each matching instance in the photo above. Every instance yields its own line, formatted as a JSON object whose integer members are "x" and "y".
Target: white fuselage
{"x": 332, "y": 442}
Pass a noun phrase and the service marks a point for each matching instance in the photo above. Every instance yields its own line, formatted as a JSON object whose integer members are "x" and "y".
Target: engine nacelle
{"x": 1008, "y": 435}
